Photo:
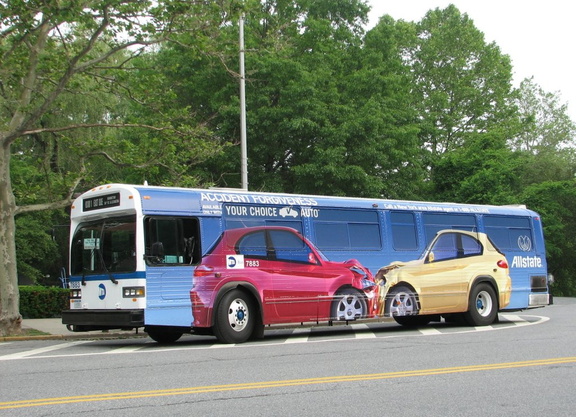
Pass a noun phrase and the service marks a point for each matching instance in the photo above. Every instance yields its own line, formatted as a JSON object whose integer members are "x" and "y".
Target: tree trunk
{"x": 10, "y": 318}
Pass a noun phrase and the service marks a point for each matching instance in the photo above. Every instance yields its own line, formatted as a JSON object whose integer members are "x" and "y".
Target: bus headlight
{"x": 75, "y": 294}
{"x": 133, "y": 292}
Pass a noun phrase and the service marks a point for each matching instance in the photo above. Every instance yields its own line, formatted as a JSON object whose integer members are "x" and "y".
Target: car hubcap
{"x": 402, "y": 305}
{"x": 350, "y": 308}
{"x": 483, "y": 303}
{"x": 238, "y": 315}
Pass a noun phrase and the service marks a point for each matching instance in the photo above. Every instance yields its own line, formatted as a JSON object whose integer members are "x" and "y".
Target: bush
{"x": 42, "y": 302}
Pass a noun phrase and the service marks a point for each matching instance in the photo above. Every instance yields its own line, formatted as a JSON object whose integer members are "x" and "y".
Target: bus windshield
{"x": 103, "y": 246}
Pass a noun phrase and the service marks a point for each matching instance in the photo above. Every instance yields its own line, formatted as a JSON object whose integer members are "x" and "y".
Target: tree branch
{"x": 89, "y": 125}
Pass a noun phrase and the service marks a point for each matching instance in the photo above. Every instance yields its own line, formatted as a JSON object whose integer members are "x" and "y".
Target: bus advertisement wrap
{"x": 228, "y": 263}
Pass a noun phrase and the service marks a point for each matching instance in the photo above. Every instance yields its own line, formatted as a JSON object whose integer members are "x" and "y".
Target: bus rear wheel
{"x": 235, "y": 317}
{"x": 482, "y": 306}
{"x": 413, "y": 321}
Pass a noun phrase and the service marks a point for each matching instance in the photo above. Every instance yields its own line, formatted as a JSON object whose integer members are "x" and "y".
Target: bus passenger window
{"x": 172, "y": 241}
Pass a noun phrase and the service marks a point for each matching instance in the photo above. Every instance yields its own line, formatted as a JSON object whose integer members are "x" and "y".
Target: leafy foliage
{"x": 148, "y": 91}
{"x": 555, "y": 201}
{"x": 42, "y": 302}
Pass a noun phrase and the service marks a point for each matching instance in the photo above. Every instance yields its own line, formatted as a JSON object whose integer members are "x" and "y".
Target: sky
{"x": 538, "y": 36}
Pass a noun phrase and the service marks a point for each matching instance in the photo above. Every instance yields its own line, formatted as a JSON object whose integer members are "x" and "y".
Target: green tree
{"x": 555, "y": 202}
{"x": 547, "y": 125}
{"x": 325, "y": 114}
{"x": 484, "y": 171}
{"x": 546, "y": 137}
{"x": 53, "y": 52}
{"x": 464, "y": 84}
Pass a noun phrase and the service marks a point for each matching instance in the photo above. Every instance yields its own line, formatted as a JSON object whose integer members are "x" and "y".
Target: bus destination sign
{"x": 100, "y": 202}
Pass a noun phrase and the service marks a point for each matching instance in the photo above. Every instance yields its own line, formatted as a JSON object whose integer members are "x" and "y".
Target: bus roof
{"x": 158, "y": 199}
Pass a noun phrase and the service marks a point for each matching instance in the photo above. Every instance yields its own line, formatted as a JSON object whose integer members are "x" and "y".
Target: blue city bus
{"x": 230, "y": 262}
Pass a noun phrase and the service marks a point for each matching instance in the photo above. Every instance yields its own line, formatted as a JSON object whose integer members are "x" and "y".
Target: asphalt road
{"x": 524, "y": 365}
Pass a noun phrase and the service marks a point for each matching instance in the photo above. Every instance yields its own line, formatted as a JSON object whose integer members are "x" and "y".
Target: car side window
{"x": 445, "y": 248}
{"x": 253, "y": 245}
{"x": 288, "y": 247}
{"x": 454, "y": 246}
{"x": 470, "y": 246}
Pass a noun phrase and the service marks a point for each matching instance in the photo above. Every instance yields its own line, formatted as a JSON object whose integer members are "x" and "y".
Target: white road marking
{"x": 512, "y": 318}
{"x": 298, "y": 335}
{"x": 28, "y": 353}
{"x": 127, "y": 349}
{"x": 483, "y": 328}
{"x": 365, "y": 331}
{"x": 429, "y": 331}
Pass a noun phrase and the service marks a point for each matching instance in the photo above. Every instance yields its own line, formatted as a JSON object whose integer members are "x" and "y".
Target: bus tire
{"x": 348, "y": 304}
{"x": 401, "y": 302}
{"x": 163, "y": 336}
{"x": 235, "y": 317}
{"x": 413, "y": 321}
{"x": 482, "y": 306}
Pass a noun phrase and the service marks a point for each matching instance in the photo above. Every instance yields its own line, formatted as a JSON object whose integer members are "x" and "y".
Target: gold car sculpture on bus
{"x": 461, "y": 275}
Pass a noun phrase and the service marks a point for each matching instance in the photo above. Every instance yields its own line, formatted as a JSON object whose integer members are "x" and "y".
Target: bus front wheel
{"x": 483, "y": 306}
{"x": 163, "y": 336}
{"x": 235, "y": 317}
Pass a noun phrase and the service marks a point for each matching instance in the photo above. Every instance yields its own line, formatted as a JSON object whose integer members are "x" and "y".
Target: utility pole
{"x": 243, "y": 146}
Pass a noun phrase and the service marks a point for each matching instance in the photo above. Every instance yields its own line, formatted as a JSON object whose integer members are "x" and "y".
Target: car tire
{"x": 401, "y": 304}
{"x": 349, "y": 304}
{"x": 482, "y": 306}
{"x": 235, "y": 317}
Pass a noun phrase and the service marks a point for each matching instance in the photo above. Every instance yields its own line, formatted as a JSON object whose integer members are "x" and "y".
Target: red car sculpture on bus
{"x": 255, "y": 276}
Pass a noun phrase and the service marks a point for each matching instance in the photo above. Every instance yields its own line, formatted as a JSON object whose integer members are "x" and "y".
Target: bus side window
{"x": 172, "y": 241}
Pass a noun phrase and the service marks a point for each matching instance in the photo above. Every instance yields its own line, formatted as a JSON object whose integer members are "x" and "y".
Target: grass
{"x": 26, "y": 333}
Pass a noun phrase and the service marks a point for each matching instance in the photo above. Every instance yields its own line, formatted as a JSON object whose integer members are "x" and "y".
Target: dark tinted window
{"x": 340, "y": 229}
{"x": 172, "y": 240}
{"x": 510, "y": 233}
{"x": 435, "y": 222}
{"x": 404, "y": 233}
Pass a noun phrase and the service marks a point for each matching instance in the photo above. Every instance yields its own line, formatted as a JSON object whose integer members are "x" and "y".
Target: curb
{"x": 84, "y": 336}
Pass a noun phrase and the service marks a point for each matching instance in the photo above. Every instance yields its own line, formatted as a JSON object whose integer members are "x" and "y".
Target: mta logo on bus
{"x": 235, "y": 262}
{"x": 101, "y": 291}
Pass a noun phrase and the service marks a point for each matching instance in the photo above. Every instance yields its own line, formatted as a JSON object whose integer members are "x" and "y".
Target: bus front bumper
{"x": 538, "y": 300}
{"x": 88, "y": 320}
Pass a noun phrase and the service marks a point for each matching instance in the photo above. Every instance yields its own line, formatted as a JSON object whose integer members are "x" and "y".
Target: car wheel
{"x": 163, "y": 336}
{"x": 401, "y": 302}
{"x": 348, "y": 304}
{"x": 234, "y": 321}
{"x": 482, "y": 307}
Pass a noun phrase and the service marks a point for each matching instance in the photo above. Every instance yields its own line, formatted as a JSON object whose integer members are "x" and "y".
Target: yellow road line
{"x": 281, "y": 383}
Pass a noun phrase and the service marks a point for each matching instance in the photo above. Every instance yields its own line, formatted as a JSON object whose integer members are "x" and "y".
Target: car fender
{"x": 231, "y": 285}
{"x": 384, "y": 290}
{"x": 488, "y": 279}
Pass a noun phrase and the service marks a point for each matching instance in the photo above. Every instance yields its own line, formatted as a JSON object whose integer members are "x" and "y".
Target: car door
{"x": 444, "y": 276}
{"x": 300, "y": 281}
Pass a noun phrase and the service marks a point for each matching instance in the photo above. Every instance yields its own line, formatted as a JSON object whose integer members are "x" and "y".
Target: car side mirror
{"x": 430, "y": 257}
{"x": 312, "y": 258}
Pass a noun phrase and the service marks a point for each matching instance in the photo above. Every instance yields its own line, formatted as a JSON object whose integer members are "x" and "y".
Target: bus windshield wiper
{"x": 101, "y": 258}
